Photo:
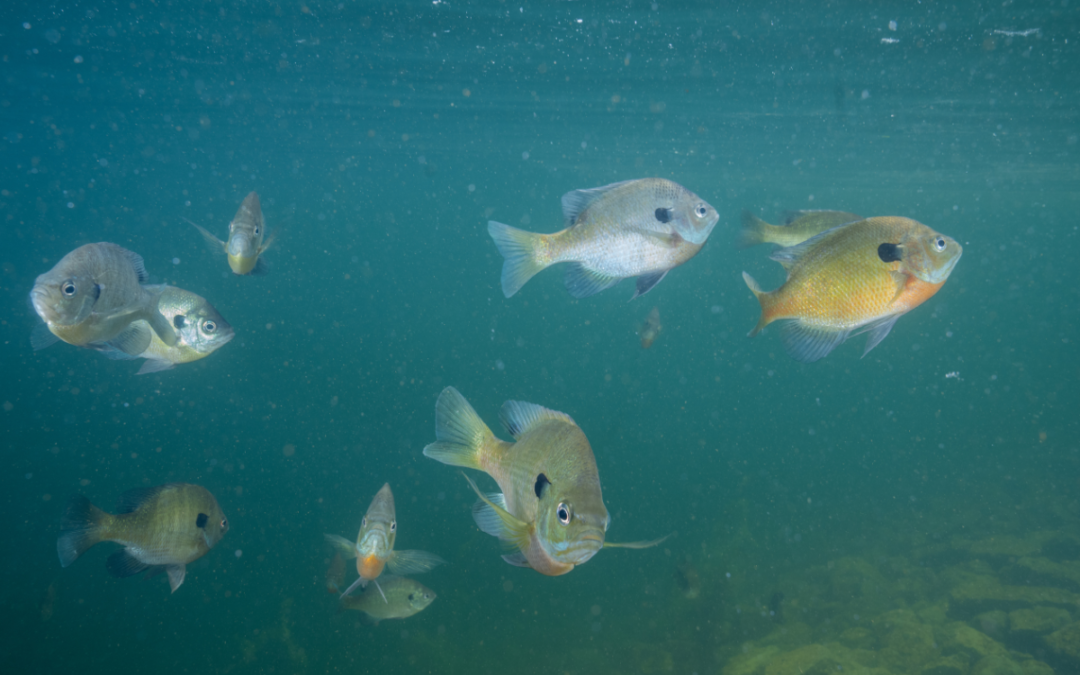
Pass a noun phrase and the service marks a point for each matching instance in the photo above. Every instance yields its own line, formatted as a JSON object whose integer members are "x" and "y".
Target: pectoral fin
{"x": 512, "y": 529}
{"x": 636, "y": 544}
{"x": 346, "y": 548}
{"x": 214, "y": 244}
{"x": 645, "y": 282}
{"x": 877, "y": 331}
{"x": 413, "y": 562}
{"x": 41, "y": 337}
{"x": 176, "y": 575}
{"x": 162, "y": 326}
{"x": 582, "y": 282}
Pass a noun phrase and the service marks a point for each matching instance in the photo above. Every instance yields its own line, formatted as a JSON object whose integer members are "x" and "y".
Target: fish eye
{"x": 256, "y": 230}
{"x": 363, "y": 523}
{"x": 701, "y": 211}
{"x": 393, "y": 526}
{"x": 939, "y": 244}
{"x": 224, "y": 523}
{"x": 68, "y": 288}
{"x": 564, "y": 513}
{"x": 209, "y": 326}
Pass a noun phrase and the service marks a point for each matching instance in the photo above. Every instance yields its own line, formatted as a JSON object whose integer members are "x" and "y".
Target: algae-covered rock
{"x": 960, "y": 638}
{"x": 809, "y": 660}
{"x": 1030, "y": 571}
{"x": 994, "y": 623}
{"x": 973, "y": 598}
{"x": 1064, "y": 643}
{"x": 908, "y": 647}
{"x": 1038, "y": 620}
{"x": 858, "y": 637}
{"x": 752, "y": 660}
{"x": 1004, "y": 547}
{"x": 652, "y": 659}
{"x": 856, "y": 579}
{"x": 1062, "y": 547}
{"x": 1033, "y": 667}
{"x": 955, "y": 664}
{"x": 996, "y": 665}
{"x": 812, "y": 659}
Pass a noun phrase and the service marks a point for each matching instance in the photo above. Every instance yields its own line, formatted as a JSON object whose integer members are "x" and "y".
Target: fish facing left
{"x": 201, "y": 328}
{"x": 161, "y": 528}
{"x": 94, "y": 295}
{"x": 640, "y": 228}
{"x": 550, "y": 509}
{"x": 247, "y": 238}
{"x": 398, "y": 598}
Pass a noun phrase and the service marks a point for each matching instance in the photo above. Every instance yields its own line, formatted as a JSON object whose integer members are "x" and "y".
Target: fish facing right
{"x": 400, "y": 598}
{"x": 798, "y": 227}
{"x": 246, "y": 238}
{"x": 161, "y": 528}
{"x": 640, "y": 228}
{"x": 94, "y": 295}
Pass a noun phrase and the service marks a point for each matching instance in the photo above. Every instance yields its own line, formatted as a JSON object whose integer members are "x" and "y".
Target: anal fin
{"x": 807, "y": 343}
{"x": 582, "y": 282}
{"x": 41, "y": 337}
{"x": 645, "y": 282}
{"x": 122, "y": 564}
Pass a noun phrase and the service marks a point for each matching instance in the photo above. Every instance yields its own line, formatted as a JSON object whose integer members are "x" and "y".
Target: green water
{"x": 381, "y": 138}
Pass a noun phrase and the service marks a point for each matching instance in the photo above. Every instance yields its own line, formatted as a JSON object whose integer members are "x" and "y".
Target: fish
{"x": 650, "y": 329}
{"x": 798, "y": 227}
{"x": 335, "y": 574}
{"x": 94, "y": 295}
{"x": 246, "y": 238}
{"x": 688, "y": 579}
{"x": 640, "y": 228}
{"x": 165, "y": 527}
{"x": 400, "y": 599}
{"x": 550, "y": 511}
{"x": 854, "y": 278}
{"x": 48, "y": 602}
{"x": 201, "y": 328}
{"x": 374, "y": 547}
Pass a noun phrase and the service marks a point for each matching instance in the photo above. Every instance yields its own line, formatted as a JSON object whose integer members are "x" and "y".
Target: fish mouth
{"x": 240, "y": 247}
{"x": 584, "y": 547}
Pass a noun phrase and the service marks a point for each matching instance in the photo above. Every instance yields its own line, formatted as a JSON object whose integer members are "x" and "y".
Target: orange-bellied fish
{"x": 374, "y": 547}
{"x": 638, "y": 228}
{"x": 650, "y": 330}
{"x": 798, "y": 227}
{"x": 164, "y": 527}
{"x": 854, "y": 278}
{"x": 246, "y": 244}
{"x": 550, "y": 509}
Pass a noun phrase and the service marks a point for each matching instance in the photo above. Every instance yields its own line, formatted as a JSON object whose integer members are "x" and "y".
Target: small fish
{"x": 164, "y": 527}
{"x": 93, "y": 295}
{"x": 201, "y": 328}
{"x": 798, "y": 227}
{"x": 638, "y": 228}
{"x": 374, "y": 547}
{"x": 335, "y": 574}
{"x": 650, "y": 329}
{"x": 400, "y": 599}
{"x": 48, "y": 602}
{"x": 245, "y": 245}
{"x": 855, "y": 278}
{"x": 550, "y": 509}
{"x": 688, "y": 579}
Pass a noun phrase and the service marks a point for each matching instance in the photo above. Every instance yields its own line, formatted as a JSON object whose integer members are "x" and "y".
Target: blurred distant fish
{"x": 798, "y": 227}
{"x": 93, "y": 295}
{"x": 335, "y": 574}
{"x": 201, "y": 328}
{"x": 48, "y": 602}
{"x": 638, "y": 228}
{"x": 650, "y": 329}
{"x": 688, "y": 579}
{"x": 164, "y": 527}
{"x": 246, "y": 243}
{"x": 374, "y": 547}
{"x": 400, "y": 599}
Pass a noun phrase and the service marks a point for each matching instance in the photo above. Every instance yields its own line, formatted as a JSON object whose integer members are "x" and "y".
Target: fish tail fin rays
{"x": 582, "y": 282}
{"x": 80, "y": 529}
{"x": 764, "y": 299}
{"x": 212, "y": 242}
{"x": 636, "y": 544}
{"x": 360, "y": 582}
{"x": 404, "y": 563}
{"x": 496, "y": 520}
{"x": 877, "y": 331}
{"x": 807, "y": 344}
{"x": 462, "y": 435}
{"x": 162, "y": 326}
{"x": 341, "y": 545}
{"x": 122, "y": 564}
{"x": 754, "y": 231}
{"x": 518, "y": 249}
{"x": 41, "y": 337}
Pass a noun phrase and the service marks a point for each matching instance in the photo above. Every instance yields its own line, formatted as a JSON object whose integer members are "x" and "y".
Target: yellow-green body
{"x": 201, "y": 329}
{"x": 798, "y": 227}
{"x": 400, "y": 598}
{"x": 247, "y": 238}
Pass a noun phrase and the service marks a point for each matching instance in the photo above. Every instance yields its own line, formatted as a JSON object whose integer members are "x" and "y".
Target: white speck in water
{"x": 499, "y": 364}
{"x": 728, "y": 575}
{"x": 238, "y": 553}
{"x": 126, "y": 404}
{"x": 892, "y": 25}
{"x": 71, "y": 205}
{"x": 472, "y": 188}
{"x": 29, "y": 476}
{"x": 78, "y": 58}
{"x": 176, "y": 261}
{"x": 717, "y": 309}
{"x": 525, "y": 155}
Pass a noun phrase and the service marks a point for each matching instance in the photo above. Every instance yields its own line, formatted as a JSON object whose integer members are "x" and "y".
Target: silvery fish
{"x": 164, "y": 527}
{"x": 550, "y": 508}
{"x": 201, "y": 328}
{"x": 246, "y": 233}
{"x": 798, "y": 227}
{"x": 638, "y": 228}
{"x": 400, "y": 599}
{"x": 93, "y": 295}
{"x": 374, "y": 547}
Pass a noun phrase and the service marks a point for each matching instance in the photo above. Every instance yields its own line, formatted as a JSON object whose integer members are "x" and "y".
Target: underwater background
{"x": 904, "y": 512}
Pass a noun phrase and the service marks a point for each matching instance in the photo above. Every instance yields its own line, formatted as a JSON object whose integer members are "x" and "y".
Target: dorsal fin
{"x": 788, "y": 256}
{"x": 131, "y": 500}
{"x": 519, "y": 416}
{"x": 575, "y": 202}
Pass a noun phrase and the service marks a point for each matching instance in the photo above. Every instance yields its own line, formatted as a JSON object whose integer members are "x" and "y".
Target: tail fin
{"x": 754, "y": 231}
{"x": 79, "y": 530}
{"x": 461, "y": 433}
{"x": 518, "y": 248}
{"x": 763, "y": 299}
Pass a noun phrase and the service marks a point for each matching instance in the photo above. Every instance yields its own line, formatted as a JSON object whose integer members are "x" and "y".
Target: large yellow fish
{"x": 374, "y": 547}
{"x": 854, "y": 278}
{"x": 164, "y": 527}
{"x": 798, "y": 227}
{"x": 246, "y": 232}
{"x": 638, "y": 228}
{"x": 550, "y": 509}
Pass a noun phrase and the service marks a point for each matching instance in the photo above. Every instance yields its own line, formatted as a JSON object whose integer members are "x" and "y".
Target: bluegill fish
{"x": 550, "y": 509}
{"x": 798, "y": 227}
{"x": 201, "y": 328}
{"x": 638, "y": 228}
{"x": 246, "y": 238}
{"x": 164, "y": 527}
{"x": 650, "y": 329}
{"x": 94, "y": 295}
{"x": 855, "y": 278}
{"x": 374, "y": 547}
{"x": 400, "y": 599}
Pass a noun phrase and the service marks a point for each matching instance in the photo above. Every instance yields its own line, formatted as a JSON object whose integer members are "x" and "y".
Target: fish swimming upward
{"x": 246, "y": 244}
{"x": 858, "y": 277}
{"x": 798, "y": 227}
{"x": 550, "y": 509}
{"x": 638, "y": 228}
{"x": 94, "y": 295}
{"x": 164, "y": 527}
{"x": 374, "y": 547}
